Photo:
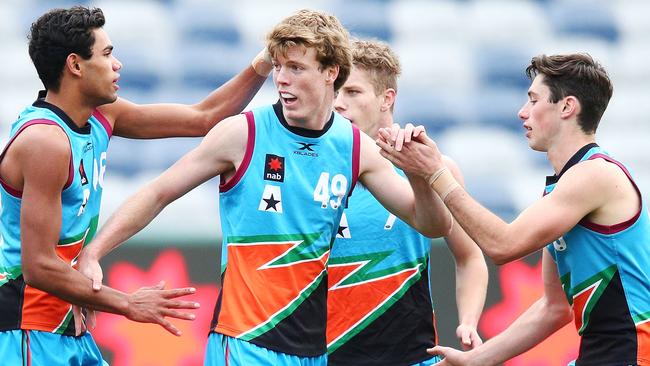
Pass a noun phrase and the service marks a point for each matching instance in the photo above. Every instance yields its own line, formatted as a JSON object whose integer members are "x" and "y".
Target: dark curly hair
{"x": 58, "y": 33}
{"x": 578, "y": 75}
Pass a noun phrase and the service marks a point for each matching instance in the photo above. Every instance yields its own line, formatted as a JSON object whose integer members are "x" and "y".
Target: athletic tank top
{"x": 279, "y": 215}
{"x": 605, "y": 273}
{"x": 22, "y": 306}
{"x": 379, "y": 300}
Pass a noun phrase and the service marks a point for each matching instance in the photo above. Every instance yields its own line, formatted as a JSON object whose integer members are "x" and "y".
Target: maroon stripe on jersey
{"x": 28, "y": 348}
{"x": 356, "y": 142}
{"x": 227, "y": 351}
{"x": 225, "y": 186}
{"x": 107, "y": 125}
{"x": 18, "y": 193}
{"x": 612, "y": 229}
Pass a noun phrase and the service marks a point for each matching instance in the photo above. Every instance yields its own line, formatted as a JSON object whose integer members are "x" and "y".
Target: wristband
{"x": 443, "y": 182}
{"x": 433, "y": 177}
{"x": 449, "y": 189}
{"x": 262, "y": 63}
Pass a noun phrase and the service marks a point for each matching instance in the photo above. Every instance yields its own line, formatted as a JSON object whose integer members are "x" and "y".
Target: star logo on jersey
{"x": 343, "y": 231}
{"x": 271, "y": 199}
{"x": 306, "y": 149}
{"x": 274, "y": 168}
{"x": 82, "y": 173}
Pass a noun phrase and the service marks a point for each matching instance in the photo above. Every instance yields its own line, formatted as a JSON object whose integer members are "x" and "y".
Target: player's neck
{"x": 385, "y": 122}
{"x": 560, "y": 153}
{"x": 71, "y": 104}
{"x": 315, "y": 120}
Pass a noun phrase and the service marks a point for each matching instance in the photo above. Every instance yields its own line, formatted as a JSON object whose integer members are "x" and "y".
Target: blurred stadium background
{"x": 463, "y": 63}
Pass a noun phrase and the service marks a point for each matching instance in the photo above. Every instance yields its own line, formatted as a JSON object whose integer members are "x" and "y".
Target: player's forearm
{"x": 471, "y": 288}
{"x": 487, "y": 230}
{"x": 430, "y": 216}
{"x": 52, "y": 275}
{"x": 230, "y": 98}
{"x": 129, "y": 219}
{"x": 536, "y": 324}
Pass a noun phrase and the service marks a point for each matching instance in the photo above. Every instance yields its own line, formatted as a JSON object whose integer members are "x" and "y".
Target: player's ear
{"x": 570, "y": 106}
{"x": 332, "y": 73}
{"x": 388, "y": 99}
{"x": 72, "y": 64}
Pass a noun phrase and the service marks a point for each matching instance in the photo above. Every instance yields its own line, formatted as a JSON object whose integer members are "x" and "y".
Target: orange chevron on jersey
{"x": 39, "y": 307}
{"x": 362, "y": 301}
{"x": 580, "y": 303}
{"x": 266, "y": 280}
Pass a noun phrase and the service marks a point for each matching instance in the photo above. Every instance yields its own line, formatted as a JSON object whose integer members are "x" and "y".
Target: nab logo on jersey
{"x": 274, "y": 168}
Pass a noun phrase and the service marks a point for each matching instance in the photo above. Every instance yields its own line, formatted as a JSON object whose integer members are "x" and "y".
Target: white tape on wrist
{"x": 434, "y": 177}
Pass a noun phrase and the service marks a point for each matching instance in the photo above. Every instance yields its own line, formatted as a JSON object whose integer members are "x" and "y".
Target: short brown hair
{"x": 577, "y": 75}
{"x": 317, "y": 30}
{"x": 381, "y": 63}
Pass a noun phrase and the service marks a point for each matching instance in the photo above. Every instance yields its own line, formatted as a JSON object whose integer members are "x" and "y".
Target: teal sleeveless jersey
{"x": 279, "y": 215}
{"x": 605, "y": 273}
{"x": 22, "y": 306}
{"x": 379, "y": 300}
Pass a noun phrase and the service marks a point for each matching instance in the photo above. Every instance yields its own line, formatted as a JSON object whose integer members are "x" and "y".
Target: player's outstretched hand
{"x": 468, "y": 337}
{"x": 153, "y": 304}
{"x": 451, "y": 357}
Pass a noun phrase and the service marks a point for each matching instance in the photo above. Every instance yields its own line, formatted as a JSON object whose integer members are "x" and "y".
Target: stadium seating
{"x": 462, "y": 60}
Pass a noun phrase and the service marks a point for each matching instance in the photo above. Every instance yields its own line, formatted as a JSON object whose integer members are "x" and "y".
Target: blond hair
{"x": 318, "y": 30}
{"x": 379, "y": 61}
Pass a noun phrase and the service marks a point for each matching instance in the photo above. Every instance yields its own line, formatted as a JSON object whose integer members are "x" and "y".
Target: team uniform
{"x": 379, "y": 301}
{"x": 605, "y": 273}
{"x": 279, "y": 216}
{"x": 32, "y": 322}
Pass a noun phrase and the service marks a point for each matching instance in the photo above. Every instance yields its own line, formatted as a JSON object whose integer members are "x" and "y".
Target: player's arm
{"x": 582, "y": 189}
{"x": 471, "y": 277}
{"x": 416, "y": 204}
{"x": 580, "y": 192}
{"x": 170, "y": 120}
{"x": 42, "y": 154}
{"x": 543, "y": 318}
{"x": 197, "y": 166}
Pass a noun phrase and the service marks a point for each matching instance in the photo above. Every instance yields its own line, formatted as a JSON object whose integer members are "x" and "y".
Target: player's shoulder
{"x": 597, "y": 168}
{"x": 230, "y": 131}
{"x": 593, "y": 176}
{"x": 43, "y": 137}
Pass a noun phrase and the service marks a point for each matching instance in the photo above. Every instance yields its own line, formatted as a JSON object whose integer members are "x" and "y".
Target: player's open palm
{"x": 153, "y": 304}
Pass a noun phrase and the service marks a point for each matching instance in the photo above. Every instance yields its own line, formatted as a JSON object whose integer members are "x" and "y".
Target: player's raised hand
{"x": 397, "y": 137}
{"x": 420, "y": 156}
{"x": 153, "y": 304}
